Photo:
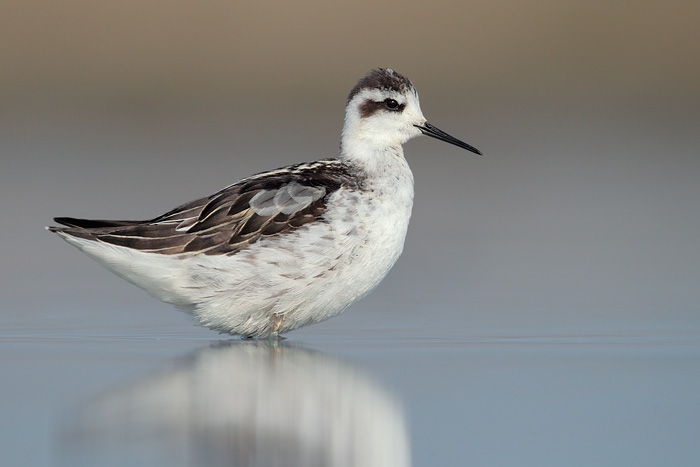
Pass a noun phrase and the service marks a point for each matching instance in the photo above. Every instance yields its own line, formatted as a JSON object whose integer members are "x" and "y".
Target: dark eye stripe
{"x": 369, "y": 108}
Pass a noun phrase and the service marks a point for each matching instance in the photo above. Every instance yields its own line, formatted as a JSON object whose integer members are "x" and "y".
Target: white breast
{"x": 316, "y": 271}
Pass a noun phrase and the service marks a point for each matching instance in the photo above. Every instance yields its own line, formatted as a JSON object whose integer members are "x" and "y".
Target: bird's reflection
{"x": 244, "y": 403}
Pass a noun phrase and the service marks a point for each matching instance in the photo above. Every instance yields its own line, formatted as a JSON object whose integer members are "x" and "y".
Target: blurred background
{"x": 547, "y": 304}
{"x": 583, "y": 214}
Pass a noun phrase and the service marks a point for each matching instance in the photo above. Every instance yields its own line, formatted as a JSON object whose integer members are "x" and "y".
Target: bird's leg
{"x": 276, "y": 321}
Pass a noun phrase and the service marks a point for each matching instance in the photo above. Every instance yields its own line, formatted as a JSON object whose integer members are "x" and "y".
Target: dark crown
{"x": 383, "y": 79}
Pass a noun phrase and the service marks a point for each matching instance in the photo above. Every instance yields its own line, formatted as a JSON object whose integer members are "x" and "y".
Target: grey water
{"x": 546, "y": 310}
{"x": 359, "y": 390}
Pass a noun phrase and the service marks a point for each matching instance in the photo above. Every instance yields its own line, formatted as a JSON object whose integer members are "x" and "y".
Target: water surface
{"x": 360, "y": 389}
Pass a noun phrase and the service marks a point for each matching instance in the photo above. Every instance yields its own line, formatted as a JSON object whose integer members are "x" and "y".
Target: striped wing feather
{"x": 261, "y": 206}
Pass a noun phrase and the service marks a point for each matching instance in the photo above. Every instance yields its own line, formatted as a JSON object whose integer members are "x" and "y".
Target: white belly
{"x": 309, "y": 275}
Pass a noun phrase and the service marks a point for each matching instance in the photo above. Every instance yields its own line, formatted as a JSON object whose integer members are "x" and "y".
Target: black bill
{"x": 429, "y": 130}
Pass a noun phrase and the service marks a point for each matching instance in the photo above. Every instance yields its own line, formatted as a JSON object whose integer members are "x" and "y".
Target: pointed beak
{"x": 434, "y": 132}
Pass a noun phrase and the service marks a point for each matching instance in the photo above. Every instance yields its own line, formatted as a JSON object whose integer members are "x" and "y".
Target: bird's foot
{"x": 276, "y": 321}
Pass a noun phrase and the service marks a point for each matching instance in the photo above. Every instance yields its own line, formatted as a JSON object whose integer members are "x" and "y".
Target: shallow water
{"x": 360, "y": 389}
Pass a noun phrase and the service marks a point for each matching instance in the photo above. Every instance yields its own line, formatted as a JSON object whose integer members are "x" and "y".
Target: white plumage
{"x": 286, "y": 248}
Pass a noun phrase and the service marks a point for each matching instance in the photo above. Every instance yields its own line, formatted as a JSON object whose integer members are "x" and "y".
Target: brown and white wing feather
{"x": 263, "y": 205}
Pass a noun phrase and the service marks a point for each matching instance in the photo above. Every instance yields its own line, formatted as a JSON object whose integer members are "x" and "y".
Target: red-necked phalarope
{"x": 285, "y": 248}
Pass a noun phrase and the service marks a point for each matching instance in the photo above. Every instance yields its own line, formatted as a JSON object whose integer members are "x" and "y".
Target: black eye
{"x": 391, "y": 104}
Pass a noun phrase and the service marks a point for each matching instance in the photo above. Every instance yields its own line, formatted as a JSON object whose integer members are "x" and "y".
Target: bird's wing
{"x": 263, "y": 205}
